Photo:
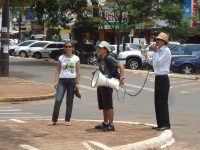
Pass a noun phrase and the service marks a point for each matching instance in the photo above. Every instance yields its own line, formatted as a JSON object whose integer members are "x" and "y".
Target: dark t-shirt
{"x": 106, "y": 70}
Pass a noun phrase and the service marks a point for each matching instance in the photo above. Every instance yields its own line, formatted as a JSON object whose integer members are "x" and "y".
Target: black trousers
{"x": 162, "y": 86}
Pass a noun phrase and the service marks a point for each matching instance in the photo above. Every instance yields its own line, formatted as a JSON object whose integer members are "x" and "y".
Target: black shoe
{"x": 100, "y": 126}
{"x": 109, "y": 127}
{"x": 163, "y": 128}
{"x": 155, "y": 128}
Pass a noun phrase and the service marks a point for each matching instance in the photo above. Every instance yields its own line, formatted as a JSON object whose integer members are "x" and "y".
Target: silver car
{"x": 42, "y": 49}
{"x": 23, "y": 49}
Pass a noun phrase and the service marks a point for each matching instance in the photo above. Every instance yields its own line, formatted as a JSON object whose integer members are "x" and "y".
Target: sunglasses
{"x": 68, "y": 46}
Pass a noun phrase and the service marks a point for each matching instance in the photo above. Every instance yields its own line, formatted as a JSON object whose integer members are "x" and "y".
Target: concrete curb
{"x": 29, "y": 98}
{"x": 26, "y": 98}
{"x": 165, "y": 139}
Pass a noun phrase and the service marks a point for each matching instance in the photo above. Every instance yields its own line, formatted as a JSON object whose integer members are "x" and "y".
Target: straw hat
{"x": 163, "y": 36}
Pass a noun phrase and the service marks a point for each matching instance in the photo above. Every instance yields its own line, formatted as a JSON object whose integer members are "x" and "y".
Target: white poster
{"x": 5, "y": 49}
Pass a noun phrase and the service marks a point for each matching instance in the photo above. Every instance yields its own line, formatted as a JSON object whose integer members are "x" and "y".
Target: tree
{"x": 132, "y": 14}
{"x": 18, "y": 7}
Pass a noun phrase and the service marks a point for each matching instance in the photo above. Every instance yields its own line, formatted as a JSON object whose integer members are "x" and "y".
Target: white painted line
{"x": 178, "y": 81}
{"x": 17, "y": 121}
{"x": 11, "y": 110}
{"x": 5, "y": 107}
{"x": 87, "y": 146}
{"x": 102, "y": 146}
{"x": 88, "y": 87}
{"x": 25, "y": 117}
{"x": 16, "y": 113}
{"x": 188, "y": 91}
{"x": 184, "y": 85}
{"x": 86, "y": 77}
{"x": 28, "y": 147}
{"x": 3, "y": 120}
{"x": 139, "y": 87}
{"x": 130, "y": 85}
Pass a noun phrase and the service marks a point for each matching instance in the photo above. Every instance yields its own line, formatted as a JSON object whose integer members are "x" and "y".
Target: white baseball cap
{"x": 105, "y": 44}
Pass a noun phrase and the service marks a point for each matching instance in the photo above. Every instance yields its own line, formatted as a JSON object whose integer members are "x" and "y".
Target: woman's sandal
{"x": 52, "y": 123}
{"x": 68, "y": 123}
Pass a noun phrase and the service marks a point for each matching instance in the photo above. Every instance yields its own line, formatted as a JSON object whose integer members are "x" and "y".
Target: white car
{"x": 127, "y": 48}
{"x": 42, "y": 49}
{"x": 135, "y": 60}
{"x": 23, "y": 50}
{"x": 131, "y": 59}
{"x": 24, "y": 43}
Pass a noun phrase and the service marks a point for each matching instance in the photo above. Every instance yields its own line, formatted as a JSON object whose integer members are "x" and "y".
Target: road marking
{"x": 11, "y": 110}
{"x": 178, "y": 81}
{"x": 139, "y": 87}
{"x": 16, "y": 113}
{"x": 25, "y": 117}
{"x": 17, "y": 121}
{"x": 5, "y": 107}
{"x": 86, "y": 77}
{"x": 186, "y": 84}
{"x": 188, "y": 91}
{"x": 87, "y": 146}
{"x": 102, "y": 146}
{"x": 87, "y": 87}
{"x": 25, "y": 146}
{"x": 130, "y": 85}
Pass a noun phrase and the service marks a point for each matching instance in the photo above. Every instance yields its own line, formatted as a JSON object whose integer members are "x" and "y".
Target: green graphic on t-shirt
{"x": 70, "y": 67}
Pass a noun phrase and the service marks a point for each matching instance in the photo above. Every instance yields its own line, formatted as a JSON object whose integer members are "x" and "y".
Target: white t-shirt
{"x": 68, "y": 66}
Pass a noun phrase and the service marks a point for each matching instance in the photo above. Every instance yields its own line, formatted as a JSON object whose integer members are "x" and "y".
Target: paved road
{"x": 184, "y": 101}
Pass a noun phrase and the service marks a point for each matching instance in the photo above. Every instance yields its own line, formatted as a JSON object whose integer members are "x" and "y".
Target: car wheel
{"x": 56, "y": 57}
{"x": 11, "y": 52}
{"x": 37, "y": 55}
{"x": 187, "y": 69}
{"x": 23, "y": 54}
{"x": 133, "y": 64}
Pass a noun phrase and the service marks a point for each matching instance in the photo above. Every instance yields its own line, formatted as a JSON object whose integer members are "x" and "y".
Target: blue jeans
{"x": 63, "y": 86}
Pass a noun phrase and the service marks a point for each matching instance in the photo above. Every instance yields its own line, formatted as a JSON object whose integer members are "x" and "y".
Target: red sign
{"x": 194, "y": 14}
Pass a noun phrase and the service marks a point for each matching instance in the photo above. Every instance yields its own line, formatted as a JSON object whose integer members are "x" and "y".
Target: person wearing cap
{"x": 160, "y": 61}
{"x": 104, "y": 94}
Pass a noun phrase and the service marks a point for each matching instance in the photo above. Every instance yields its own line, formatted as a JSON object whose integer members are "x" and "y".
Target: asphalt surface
{"x": 15, "y": 89}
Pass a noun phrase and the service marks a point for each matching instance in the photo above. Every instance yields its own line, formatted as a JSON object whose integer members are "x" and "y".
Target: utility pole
{"x": 5, "y": 35}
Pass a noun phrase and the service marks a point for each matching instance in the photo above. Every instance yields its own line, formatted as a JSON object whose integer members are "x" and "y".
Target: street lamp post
{"x": 4, "y": 53}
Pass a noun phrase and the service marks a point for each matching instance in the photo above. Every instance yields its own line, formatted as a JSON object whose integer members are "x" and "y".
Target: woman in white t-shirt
{"x": 67, "y": 78}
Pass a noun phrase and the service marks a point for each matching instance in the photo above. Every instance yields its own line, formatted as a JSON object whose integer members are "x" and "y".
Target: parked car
{"x": 135, "y": 60}
{"x": 23, "y": 49}
{"x": 24, "y": 43}
{"x": 185, "y": 50}
{"x": 41, "y": 49}
{"x": 127, "y": 48}
{"x": 84, "y": 54}
{"x": 55, "y": 54}
{"x": 186, "y": 65}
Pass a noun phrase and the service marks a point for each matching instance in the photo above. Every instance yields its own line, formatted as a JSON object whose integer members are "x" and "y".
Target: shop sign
{"x": 194, "y": 11}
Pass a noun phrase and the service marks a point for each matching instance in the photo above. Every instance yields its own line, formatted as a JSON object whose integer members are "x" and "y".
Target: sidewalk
{"x": 81, "y": 135}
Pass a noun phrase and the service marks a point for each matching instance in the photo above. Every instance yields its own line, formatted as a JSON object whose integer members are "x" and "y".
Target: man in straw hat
{"x": 104, "y": 94}
{"x": 161, "y": 60}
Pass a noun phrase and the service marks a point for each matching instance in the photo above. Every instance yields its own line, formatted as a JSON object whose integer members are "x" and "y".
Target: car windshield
{"x": 40, "y": 44}
{"x": 25, "y": 43}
